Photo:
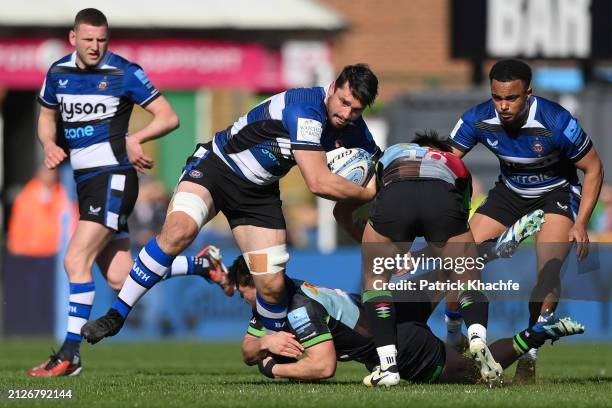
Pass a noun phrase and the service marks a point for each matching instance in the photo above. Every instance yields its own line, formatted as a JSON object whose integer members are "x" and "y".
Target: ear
{"x": 332, "y": 89}
{"x": 529, "y": 91}
{"x": 72, "y": 38}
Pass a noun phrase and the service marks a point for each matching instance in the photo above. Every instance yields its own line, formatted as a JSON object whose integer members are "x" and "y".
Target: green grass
{"x": 205, "y": 374}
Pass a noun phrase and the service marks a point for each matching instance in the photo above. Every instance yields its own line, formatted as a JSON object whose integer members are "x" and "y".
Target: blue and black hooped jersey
{"x": 95, "y": 106}
{"x": 259, "y": 146}
{"x": 318, "y": 314}
{"x": 534, "y": 159}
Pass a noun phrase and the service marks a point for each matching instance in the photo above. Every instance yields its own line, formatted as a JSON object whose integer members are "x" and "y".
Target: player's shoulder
{"x": 116, "y": 61}
{"x": 305, "y": 100}
{"x": 552, "y": 114}
{"x": 67, "y": 61}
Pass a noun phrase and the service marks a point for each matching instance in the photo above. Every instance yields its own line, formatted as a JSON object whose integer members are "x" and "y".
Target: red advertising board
{"x": 170, "y": 64}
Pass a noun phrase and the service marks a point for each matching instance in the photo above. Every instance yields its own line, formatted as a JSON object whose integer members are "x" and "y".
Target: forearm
{"x": 47, "y": 129}
{"x": 158, "y": 127}
{"x": 590, "y": 192}
{"x": 337, "y": 188}
{"x": 305, "y": 369}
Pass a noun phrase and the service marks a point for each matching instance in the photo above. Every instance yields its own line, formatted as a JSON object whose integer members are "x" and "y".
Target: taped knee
{"x": 192, "y": 205}
{"x": 267, "y": 261}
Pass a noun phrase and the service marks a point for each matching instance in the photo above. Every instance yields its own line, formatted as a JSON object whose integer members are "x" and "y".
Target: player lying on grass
{"x": 328, "y": 325}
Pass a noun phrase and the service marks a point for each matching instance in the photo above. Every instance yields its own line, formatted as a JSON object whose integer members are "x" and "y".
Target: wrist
{"x": 267, "y": 367}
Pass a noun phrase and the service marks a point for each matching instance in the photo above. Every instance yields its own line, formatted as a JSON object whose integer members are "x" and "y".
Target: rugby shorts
{"x": 506, "y": 207}
{"x": 241, "y": 201}
{"x": 428, "y": 208}
{"x": 108, "y": 198}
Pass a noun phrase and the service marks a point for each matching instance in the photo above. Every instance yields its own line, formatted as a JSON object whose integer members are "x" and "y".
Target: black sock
{"x": 474, "y": 307}
{"x": 528, "y": 339}
{"x": 69, "y": 348}
{"x": 380, "y": 315}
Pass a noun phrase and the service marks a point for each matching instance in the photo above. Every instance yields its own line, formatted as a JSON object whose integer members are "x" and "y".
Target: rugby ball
{"x": 354, "y": 164}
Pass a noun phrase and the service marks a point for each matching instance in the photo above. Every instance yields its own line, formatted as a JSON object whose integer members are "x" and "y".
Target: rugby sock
{"x": 189, "y": 265}
{"x": 273, "y": 316}
{"x": 380, "y": 315}
{"x": 474, "y": 306}
{"x": 81, "y": 298}
{"x": 453, "y": 320}
{"x": 149, "y": 268}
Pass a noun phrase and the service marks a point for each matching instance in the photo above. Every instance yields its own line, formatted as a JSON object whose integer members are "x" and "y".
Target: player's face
{"x": 342, "y": 107}
{"x": 90, "y": 43}
{"x": 511, "y": 101}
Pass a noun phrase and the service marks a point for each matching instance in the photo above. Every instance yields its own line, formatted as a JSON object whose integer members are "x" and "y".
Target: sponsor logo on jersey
{"x": 94, "y": 210}
{"x": 123, "y": 219}
{"x": 309, "y": 130}
{"x": 531, "y": 179}
{"x": 142, "y": 77}
{"x": 299, "y": 319}
{"x": 537, "y": 147}
{"x": 62, "y": 83}
{"x": 76, "y": 108}
{"x": 79, "y": 132}
{"x": 492, "y": 143}
{"x": 573, "y": 132}
{"x": 561, "y": 206}
{"x": 195, "y": 173}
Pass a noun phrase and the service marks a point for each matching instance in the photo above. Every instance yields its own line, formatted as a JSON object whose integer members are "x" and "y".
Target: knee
{"x": 267, "y": 267}
{"x": 76, "y": 265}
{"x": 178, "y": 232}
{"x": 115, "y": 281}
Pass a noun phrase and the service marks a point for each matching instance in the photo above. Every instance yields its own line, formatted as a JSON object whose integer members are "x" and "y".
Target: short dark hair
{"x": 362, "y": 82}
{"x": 239, "y": 273}
{"x": 507, "y": 70}
{"x": 92, "y": 17}
{"x": 430, "y": 138}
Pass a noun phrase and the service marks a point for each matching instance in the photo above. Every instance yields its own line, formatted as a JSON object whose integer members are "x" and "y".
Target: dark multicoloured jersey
{"x": 95, "y": 106}
{"x": 534, "y": 159}
{"x": 259, "y": 146}
{"x": 409, "y": 161}
{"x": 318, "y": 314}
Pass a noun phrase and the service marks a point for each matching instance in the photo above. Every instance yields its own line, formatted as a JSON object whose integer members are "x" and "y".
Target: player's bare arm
{"x": 47, "y": 133}
{"x": 591, "y": 165}
{"x": 318, "y": 363}
{"x": 164, "y": 121}
{"x": 344, "y": 213}
{"x": 281, "y": 343}
{"x": 457, "y": 152}
{"x": 324, "y": 183}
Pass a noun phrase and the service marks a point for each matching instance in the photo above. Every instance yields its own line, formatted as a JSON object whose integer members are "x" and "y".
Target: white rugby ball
{"x": 354, "y": 164}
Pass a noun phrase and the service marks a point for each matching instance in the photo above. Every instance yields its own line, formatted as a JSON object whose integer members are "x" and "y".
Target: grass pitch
{"x": 210, "y": 374}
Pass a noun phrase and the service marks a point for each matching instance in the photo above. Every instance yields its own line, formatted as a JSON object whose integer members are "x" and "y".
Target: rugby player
{"x": 539, "y": 145}
{"x": 425, "y": 191}
{"x": 94, "y": 91}
{"x": 238, "y": 172}
{"x": 329, "y": 325}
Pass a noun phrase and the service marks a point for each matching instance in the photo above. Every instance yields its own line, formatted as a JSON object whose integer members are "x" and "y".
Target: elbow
{"x": 328, "y": 371}
{"x": 316, "y": 186}
{"x": 174, "y": 122}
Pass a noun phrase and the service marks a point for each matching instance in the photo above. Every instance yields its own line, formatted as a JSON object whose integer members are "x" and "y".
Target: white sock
{"x": 180, "y": 266}
{"x": 532, "y": 355}
{"x": 453, "y": 330}
{"x": 387, "y": 356}
{"x": 477, "y": 330}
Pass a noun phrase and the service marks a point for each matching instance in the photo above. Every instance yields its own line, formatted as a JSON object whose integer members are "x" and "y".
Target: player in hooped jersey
{"x": 539, "y": 146}
{"x": 238, "y": 172}
{"x": 94, "y": 91}
{"x": 424, "y": 190}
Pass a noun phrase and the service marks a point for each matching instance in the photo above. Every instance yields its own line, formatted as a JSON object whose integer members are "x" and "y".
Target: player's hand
{"x": 136, "y": 155}
{"x": 283, "y": 344}
{"x": 54, "y": 155}
{"x": 578, "y": 234}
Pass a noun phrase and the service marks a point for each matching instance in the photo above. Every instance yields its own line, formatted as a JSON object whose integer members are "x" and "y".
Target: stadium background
{"x": 214, "y": 59}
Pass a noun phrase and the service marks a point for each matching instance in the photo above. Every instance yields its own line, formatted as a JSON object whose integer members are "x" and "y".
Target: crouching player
{"x": 329, "y": 325}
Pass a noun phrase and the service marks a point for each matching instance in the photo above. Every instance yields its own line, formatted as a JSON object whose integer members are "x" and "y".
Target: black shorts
{"x": 108, "y": 198}
{"x": 506, "y": 207}
{"x": 427, "y": 208}
{"x": 242, "y": 202}
{"x": 421, "y": 355}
